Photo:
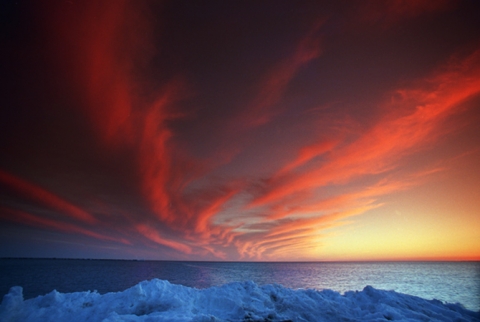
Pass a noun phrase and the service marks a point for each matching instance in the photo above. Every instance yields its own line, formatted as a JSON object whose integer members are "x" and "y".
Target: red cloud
{"x": 112, "y": 44}
{"x": 46, "y": 198}
{"x": 306, "y": 154}
{"x": 203, "y": 217}
{"x": 113, "y": 39}
{"x": 32, "y": 220}
{"x": 156, "y": 164}
{"x": 154, "y": 236}
{"x": 410, "y": 123}
{"x": 387, "y": 13}
{"x": 274, "y": 84}
{"x": 290, "y": 201}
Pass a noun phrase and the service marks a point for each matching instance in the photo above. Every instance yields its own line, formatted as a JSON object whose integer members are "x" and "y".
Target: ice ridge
{"x": 159, "y": 300}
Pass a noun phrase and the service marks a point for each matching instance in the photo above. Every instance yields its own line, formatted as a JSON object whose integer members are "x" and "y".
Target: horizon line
{"x": 249, "y": 261}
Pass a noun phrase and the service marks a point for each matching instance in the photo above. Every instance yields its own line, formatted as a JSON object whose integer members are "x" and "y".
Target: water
{"x": 453, "y": 282}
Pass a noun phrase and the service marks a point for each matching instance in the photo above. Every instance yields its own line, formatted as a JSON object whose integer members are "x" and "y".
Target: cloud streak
{"x": 261, "y": 110}
{"x": 386, "y": 14}
{"x": 154, "y": 236}
{"x": 46, "y": 198}
{"x": 410, "y": 123}
{"x": 413, "y": 121}
{"x": 25, "y": 218}
{"x": 127, "y": 118}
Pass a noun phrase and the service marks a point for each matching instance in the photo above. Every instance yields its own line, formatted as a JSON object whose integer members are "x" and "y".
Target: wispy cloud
{"x": 24, "y": 218}
{"x": 359, "y": 171}
{"x": 46, "y": 198}
{"x": 275, "y": 82}
{"x": 127, "y": 117}
{"x": 154, "y": 236}
{"x": 387, "y": 13}
{"x": 413, "y": 120}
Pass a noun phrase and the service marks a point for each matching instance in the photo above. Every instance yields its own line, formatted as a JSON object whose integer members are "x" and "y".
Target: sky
{"x": 240, "y": 130}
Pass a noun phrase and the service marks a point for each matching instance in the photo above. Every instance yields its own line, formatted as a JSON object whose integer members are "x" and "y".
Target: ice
{"x": 158, "y": 300}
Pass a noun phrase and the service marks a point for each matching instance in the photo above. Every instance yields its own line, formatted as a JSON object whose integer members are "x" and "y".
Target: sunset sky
{"x": 240, "y": 130}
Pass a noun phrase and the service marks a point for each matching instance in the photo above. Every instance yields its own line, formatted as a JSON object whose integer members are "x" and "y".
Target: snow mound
{"x": 158, "y": 300}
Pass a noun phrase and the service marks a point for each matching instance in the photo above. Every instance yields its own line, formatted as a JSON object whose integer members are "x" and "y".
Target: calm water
{"x": 449, "y": 282}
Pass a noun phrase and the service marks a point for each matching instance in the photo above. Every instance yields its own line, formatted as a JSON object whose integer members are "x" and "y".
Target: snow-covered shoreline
{"x": 158, "y": 300}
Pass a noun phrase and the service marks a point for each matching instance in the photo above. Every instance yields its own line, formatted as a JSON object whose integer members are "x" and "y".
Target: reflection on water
{"x": 449, "y": 282}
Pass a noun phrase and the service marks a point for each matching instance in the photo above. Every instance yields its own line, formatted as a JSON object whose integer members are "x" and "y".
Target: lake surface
{"x": 453, "y": 282}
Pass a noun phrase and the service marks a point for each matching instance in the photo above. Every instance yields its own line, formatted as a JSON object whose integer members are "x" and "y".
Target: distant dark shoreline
{"x": 261, "y": 262}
